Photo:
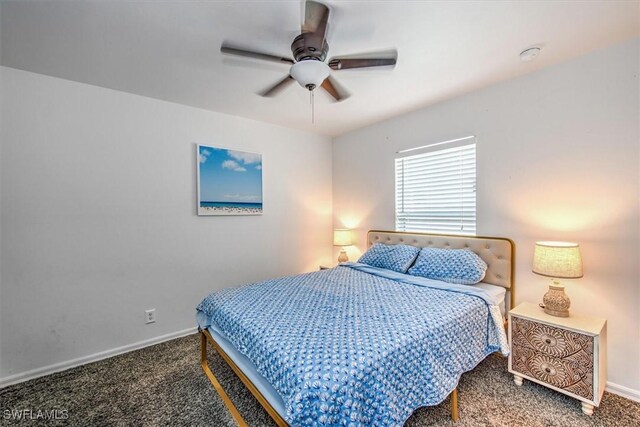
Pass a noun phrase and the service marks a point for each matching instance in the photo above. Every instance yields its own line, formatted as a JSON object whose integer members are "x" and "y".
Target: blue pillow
{"x": 460, "y": 266}
{"x": 392, "y": 257}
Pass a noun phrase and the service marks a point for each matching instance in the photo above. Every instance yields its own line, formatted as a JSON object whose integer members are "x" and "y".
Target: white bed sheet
{"x": 497, "y": 294}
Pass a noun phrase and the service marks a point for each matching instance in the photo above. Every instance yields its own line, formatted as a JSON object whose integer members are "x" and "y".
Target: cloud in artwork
{"x": 259, "y": 167}
{"x": 244, "y": 157}
{"x": 204, "y": 154}
{"x": 233, "y": 165}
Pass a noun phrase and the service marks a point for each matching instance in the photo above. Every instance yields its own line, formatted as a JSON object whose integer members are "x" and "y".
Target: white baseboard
{"x": 623, "y": 391}
{"x": 63, "y": 366}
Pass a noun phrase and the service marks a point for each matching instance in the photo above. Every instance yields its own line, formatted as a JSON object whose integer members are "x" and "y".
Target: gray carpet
{"x": 164, "y": 385}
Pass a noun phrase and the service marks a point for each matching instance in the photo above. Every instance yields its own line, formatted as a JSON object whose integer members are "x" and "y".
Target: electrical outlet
{"x": 150, "y": 316}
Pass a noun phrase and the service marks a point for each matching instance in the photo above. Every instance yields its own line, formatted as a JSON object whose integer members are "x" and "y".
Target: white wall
{"x": 558, "y": 159}
{"x": 98, "y": 216}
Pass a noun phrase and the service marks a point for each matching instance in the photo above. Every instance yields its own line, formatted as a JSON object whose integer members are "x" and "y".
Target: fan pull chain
{"x": 311, "y": 101}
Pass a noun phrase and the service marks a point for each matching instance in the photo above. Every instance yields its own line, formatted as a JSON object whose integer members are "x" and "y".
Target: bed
{"x": 359, "y": 345}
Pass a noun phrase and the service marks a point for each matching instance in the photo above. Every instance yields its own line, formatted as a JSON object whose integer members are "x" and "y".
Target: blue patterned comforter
{"x": 357, "y": 345}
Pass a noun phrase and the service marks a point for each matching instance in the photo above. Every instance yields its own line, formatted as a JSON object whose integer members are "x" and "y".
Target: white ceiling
{"x": 170, "y": 50}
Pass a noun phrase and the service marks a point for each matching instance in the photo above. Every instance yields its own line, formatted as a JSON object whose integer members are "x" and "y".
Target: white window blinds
{"x": 436, "y": 190}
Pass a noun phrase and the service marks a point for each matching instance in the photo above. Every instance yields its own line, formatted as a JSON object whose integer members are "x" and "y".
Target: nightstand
{"x": 566, "y": 354}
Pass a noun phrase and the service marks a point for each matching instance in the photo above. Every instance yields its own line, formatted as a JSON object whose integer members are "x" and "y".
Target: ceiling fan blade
{"x": 316, "y": 17}
{"x": 277, "y": 88}
{"x": 330, "y": 85}
{"x": 230, "y": 50}
{"x": 361, "y": 61}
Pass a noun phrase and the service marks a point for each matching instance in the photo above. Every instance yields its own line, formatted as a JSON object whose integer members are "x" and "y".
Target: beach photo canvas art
{"x": 229, "y": 182}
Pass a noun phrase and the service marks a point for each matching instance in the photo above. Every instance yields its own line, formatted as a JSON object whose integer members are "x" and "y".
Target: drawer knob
{"x": 548, "y": 341}
{"x": 548, "y": 370}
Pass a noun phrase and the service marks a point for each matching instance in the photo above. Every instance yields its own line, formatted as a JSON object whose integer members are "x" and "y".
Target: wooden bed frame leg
{"x": 455, "y": 417}
{"x": 223, "y": 395}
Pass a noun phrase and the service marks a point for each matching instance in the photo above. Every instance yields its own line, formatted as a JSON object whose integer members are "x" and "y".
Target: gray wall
{"x": 98, "y": 217}
{"x": 557, "y": 159}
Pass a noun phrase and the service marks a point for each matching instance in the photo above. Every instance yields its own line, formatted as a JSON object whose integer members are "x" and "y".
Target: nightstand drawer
{"x": 550, "y": 340}
{"x": 573, "y": 374}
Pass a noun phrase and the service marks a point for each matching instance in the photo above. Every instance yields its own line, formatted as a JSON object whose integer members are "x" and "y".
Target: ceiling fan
{"x": 310, "y": 50}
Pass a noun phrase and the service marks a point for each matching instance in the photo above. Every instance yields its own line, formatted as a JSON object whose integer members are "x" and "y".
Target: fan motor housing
{"x": 303, "y": 47}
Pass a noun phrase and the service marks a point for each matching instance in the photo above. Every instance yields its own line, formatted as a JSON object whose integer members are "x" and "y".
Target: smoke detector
{"x": 530, "y": 54}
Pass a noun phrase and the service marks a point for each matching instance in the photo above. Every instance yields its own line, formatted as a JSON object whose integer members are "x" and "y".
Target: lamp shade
{"x": 557, "y": 259}
{"x": 342, "y": 237}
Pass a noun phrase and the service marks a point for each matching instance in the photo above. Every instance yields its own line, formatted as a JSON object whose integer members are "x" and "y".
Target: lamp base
{"x": 556, "y": 302}
{"x": 343, "y": 256}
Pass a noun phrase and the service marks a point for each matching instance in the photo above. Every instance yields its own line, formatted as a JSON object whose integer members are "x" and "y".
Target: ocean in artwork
{"x": 229, "y": 182}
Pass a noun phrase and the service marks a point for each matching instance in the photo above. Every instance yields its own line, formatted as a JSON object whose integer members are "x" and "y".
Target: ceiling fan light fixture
{"x": 310, "y": 73}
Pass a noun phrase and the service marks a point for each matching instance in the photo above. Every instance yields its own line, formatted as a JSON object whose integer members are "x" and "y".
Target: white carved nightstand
{"x": 567, "y": 354}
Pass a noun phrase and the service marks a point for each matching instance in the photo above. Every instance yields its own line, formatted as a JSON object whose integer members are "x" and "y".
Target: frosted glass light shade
{"x": 310, "y": 73}
{"x": 557, "y": 259}
{"x": 342, "y": 237}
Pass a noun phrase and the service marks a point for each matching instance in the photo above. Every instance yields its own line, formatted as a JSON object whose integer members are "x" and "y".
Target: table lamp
{"x": 342, "y": 237}
{"x": 558, "y": 260}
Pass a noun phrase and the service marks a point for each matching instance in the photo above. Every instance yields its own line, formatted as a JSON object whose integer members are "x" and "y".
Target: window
{"x": 436, "y": 189}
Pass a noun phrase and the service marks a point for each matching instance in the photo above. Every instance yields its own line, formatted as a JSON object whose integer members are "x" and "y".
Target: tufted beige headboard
{"x": 497, "y": 252}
